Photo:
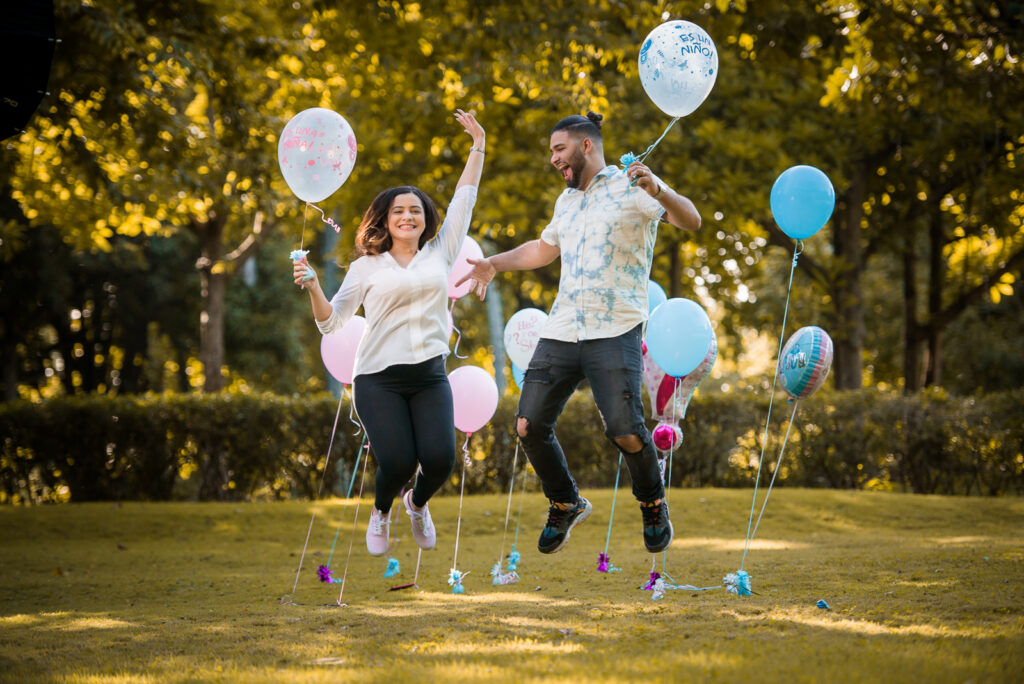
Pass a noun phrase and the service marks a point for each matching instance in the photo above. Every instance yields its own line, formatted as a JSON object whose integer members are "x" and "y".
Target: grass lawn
{"x": 921, "y": 588}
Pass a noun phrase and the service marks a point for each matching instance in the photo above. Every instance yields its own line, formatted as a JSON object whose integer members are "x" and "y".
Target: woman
{"x": 402, "y": 393}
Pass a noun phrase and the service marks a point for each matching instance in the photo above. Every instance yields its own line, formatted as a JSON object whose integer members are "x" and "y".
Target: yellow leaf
{"x": 196, "y": 109}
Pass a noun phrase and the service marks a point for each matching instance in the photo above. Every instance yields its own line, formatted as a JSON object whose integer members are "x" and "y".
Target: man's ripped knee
{"x": 631, "y": 444}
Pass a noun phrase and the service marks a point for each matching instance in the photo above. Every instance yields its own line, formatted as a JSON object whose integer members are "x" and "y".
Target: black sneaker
{"x": 561, "y": 519}
{"x": 657, "y": 526}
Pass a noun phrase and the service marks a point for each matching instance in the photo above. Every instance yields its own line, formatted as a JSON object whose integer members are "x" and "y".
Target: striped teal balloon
{"x": 806, "y": 361}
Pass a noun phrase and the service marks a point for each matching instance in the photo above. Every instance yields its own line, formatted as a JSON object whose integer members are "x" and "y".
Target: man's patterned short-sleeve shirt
{"x": 606, "y": 235}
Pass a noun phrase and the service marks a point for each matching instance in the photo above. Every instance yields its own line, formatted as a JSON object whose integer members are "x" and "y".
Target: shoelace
{"x": 556, "y": 515}
{"x": 378, "y": 522}
{"x": 651, "y": 515}
{"x": 419, "y": 520}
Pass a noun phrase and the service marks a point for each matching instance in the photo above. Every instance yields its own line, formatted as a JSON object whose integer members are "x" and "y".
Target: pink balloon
{"x": 338, "y": 350}
{"x": 470, "y": 250}
{"x": 475, "y": 396}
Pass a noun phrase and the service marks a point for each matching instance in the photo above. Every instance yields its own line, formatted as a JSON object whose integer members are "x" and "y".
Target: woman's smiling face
{"x": 406, "y": 221}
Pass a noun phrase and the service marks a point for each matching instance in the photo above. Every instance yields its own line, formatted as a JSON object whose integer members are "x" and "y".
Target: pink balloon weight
{"x": 338, "y": 350}
{"x": 475, "y": 396}
{"x": 667, "y": 436}
{"x": 316, "y": 153}
{"x": 470, "y": 250}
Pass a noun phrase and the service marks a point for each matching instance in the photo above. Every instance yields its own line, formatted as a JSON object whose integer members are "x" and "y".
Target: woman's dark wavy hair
{"x": 372, "y": 236}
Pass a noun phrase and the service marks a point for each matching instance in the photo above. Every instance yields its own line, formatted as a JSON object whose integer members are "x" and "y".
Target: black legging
{"x": 408, "y": 414}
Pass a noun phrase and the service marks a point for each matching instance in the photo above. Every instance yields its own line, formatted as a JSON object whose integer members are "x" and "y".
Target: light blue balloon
{"x": 802, "y": 201}
{"x": 655, "y": 295}
{"x": 679, "y": 336}
{"x": 518, "y": 374}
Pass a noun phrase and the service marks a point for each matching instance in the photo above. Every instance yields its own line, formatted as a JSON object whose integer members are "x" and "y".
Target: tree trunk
{"x": 213, "y": 268}
{"x": 10, "y": 371}
{"x": 212, "y": 278}
{"x": 675, "y": 286}
{"x": 911, "y": 340}
{"x": 849, "y": 302}
{"x": 936, "y": 282}
{"x": 496, "y": 330}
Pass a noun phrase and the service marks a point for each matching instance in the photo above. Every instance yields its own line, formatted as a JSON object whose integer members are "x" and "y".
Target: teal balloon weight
{"x": 802, "y": 201}
{"x": 679, "y": 335}
{"x": 655, "y": 296}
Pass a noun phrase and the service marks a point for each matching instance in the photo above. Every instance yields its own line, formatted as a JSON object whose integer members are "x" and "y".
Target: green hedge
{"x": 235, "y": 447}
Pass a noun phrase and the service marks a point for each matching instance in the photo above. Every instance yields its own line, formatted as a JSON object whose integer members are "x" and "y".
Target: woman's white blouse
{"x": 406, "y": 308}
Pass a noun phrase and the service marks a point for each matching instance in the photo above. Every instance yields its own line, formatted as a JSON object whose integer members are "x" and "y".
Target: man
{"x": 604, "y": 227}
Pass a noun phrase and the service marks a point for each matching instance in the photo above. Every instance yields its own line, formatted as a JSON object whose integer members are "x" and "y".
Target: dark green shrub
{"x": 235, "y": 447}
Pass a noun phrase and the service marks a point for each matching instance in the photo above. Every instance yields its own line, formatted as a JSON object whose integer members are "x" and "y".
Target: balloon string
{"x": 351, "y": 482}
{"x": 629, "y": 157}
{"x": 797, "y": 250}
{"x": 462, "y": 489}
{"x": 778, "y": 463}
{"x": 352, "y": 416}
{"x": 650, "y": 149}
{"x": 327, "y": 461}
{"x": 522, "y": 497}
{"x": 351, "y": 541}
{"x": 326, "y": 219}
{"x": 615, "y": 494}
{"x": 355, "y": 467}
{"x": 302, "y": 240}
{"x": 508, "y": 508}
{"x": 458, "y": 337}
{"x": 668, "y": 471}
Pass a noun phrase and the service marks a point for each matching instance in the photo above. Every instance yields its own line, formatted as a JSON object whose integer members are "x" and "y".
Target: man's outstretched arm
{"x": 525, "y": 257}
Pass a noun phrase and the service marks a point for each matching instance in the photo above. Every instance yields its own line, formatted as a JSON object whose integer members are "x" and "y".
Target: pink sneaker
{"x": 422, "y": 526}
{"x": 377, "y": 532}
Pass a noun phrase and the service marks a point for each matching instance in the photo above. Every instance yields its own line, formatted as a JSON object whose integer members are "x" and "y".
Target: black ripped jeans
{"x": 613, "y": 367}
{"x": 408, "y": 414}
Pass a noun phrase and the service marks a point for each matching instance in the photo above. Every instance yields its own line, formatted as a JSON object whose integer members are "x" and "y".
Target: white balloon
{"x": 678, "y": 66}
{"x": 316, "y": 152}
{"x": 522, "y": 332}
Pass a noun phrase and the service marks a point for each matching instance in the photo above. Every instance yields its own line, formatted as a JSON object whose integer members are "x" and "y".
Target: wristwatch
{"x": 661, "y": 189}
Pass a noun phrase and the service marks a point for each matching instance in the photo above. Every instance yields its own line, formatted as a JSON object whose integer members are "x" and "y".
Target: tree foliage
{"x": 161, "y": 133}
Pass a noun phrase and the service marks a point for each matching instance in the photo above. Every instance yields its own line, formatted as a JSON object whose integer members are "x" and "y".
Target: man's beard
{"x": 576, "y": 164}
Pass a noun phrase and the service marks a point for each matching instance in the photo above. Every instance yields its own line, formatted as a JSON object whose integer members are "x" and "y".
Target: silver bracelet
{"x": 477, "y": 149}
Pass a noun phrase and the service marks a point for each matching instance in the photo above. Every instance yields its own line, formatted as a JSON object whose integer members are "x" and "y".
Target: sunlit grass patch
{"x": 920, "y": 589}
